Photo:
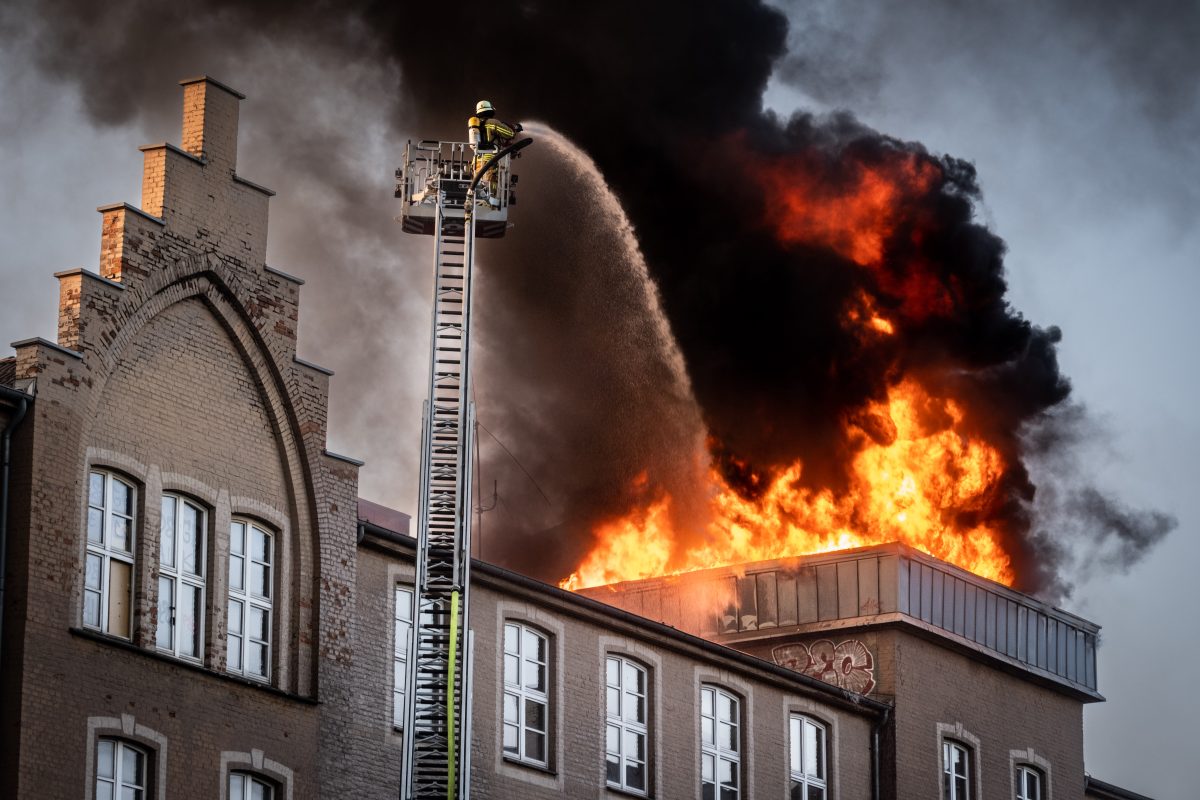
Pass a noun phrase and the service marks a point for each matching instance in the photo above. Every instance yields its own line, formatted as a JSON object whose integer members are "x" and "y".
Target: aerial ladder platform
{"x": 447, "y": 191}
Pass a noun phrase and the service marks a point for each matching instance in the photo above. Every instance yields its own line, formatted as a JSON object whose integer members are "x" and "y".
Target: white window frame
{"x": 104, "y": 553}
{"x": 118, "y": 780}
{"x": 237, "y": 622}
{"x": 515, "y": 679}
{"x": 950, "y": 789}
{"x": 402, "y": 628}
{"x": 246, "y": 781}
{"x": 799, "y": 776}
{"x": 712, "y": 750}
{"x": 622, "y": 719}
{"x": 173, "y": 575}
{"x": 1023, "y": 770}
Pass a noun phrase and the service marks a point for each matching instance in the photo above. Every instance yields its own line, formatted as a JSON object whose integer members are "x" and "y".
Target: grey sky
{"x": 1083, "y": 122}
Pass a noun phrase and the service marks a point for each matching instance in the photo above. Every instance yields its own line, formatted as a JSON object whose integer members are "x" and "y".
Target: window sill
{"x": 623, "y": 792}
{"x": 125, "y": 644}
{"x": 516, "y": 762}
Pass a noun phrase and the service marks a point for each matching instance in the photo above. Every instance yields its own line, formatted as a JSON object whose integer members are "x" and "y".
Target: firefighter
{"x": 488, "y": 135}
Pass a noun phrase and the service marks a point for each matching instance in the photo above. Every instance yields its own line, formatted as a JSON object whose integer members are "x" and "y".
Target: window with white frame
{"x": 1029, "y": 783}
{"x": 401, "y": 643}
{"x": 956, "y": 771}
{"x": 181, "y": 570}
{"x": 244, "y": 786}
{"x": 108, "y": 567}
{"x": 807, "y": 759}
{"x": 250, "y": 593}
{"x": 720, "y": 744}
{"x": 120, "y": 771}
{"x": 625, "y": 733}
{"x": 526, "y": 694}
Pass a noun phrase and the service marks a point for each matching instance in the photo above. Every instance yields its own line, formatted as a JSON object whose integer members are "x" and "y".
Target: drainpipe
{"x": 22, "y": 401}
{"x": 875, "y": 758}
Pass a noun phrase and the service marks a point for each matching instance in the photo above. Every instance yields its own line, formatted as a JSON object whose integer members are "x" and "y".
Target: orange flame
{"x": 919, "y": 476}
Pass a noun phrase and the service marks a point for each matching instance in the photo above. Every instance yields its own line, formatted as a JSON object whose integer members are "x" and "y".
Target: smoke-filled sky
{"x": 1077, "y": 124}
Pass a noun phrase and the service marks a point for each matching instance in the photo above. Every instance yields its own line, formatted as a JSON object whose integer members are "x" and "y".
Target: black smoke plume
{"x": 573, "y": 375}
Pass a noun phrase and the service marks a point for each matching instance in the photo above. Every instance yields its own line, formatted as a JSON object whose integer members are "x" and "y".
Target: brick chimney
{"x": 210, "y": 121}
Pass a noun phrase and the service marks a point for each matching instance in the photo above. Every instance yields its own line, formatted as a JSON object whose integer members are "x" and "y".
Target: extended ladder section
{"x": 438, "y": 678}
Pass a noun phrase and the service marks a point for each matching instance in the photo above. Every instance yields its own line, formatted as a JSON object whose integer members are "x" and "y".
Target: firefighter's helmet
{"x": 484, "y": 109}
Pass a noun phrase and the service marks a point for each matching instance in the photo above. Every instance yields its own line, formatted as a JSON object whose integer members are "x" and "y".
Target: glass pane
{"x": 511, "y": 739}
{"x": 235, "y": 787}
{"x": 95, "y": 525}
{"x": 706, "y": 702}
{"x": 708, "y": 769}
{"x": 635, "y": 679}
{"x": 795, "y": 790}
{"x": 535, "y": 745}
{"x": 635, "y": 775}
{"x": 258, "y": 791}
{"x": 535, "y": 646}
{"x": 960, "y": 788}
{"x": 191, "y": 539}
{"x": 510, "y": 670}
{"x": 400, "y": 639}
{"x": 166, "y": 598}
{"x": 233, "y": 644}
{"x": 535, "y": 715}
{"x": 727, "y": 773}
{"x": 258, "y": 623}
{"x": 612, "y": 768}
{"x": 708, "y": 792}
{"x": 237, "y": 535}
{"x": 812, "y": 750}
{"x": 729, "y": 793}
{"x": 166, "y": 546}
{"x": 91, "y": 575}
{"x": 131, "y": 766}
{"x": 260, "y": 576}
{"x": 118, "y": 534}
{"x": 816, "y": 793}
{"x": 96, "y": 490}
{"x": 635, "y": 708}
{"x": 235, "y": 616}
{"x": 635, "y": 746}
{"x": 236, "y": 572}
{"x": 260, "y": 545}
{"x": 91, "y": 608}
{"x": 104, "y": 759}
{"x": 707, "y": 734}
{"x": 612, "y": 700}
{"x": 104, "y": 790}
{"x": 726, "y": 707}
{"x": 612, "y": 739}
{"x": 535, "y": 676}
{"x": 119, "y": 575}
{"x": 256, "y": 659}
{"x": 727, "y": 736}
{"x": 511, "y": 639}
{"x": 512, "y": 708}
{"x": 122, "y": 497}
{"x": 612, "y": 672}
{"x": 187, "y": 620}
{"x": 404, "y": 604}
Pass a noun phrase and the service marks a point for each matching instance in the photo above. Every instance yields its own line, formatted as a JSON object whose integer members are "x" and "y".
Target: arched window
{"x": 626, "y": 728}
{"x": 808, "y": 758}
{"x": 108, "y": 568}
{"x": 1029, "y": 783}
{"x": 245, "y": 786}
{"x": 120, "y": 771}
{"x": 181, "y": 571}
{"x": 251, "y": 588}
{"x": 526, "y": 694}
{"x": 720, "y": 744}
{"x": 956, "y": 771}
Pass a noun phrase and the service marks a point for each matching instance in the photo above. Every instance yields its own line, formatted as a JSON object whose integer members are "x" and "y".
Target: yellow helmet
{"x": 484, "y": 107}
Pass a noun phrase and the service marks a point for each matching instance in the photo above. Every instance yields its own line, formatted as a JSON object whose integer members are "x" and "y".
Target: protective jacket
{"x": 489, "y": 133}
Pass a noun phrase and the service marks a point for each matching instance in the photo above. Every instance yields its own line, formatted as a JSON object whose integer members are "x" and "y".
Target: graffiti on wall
{"x": 848, "y": 664}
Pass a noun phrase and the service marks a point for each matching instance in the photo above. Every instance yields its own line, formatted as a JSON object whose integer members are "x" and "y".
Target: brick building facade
{"x": 197, "y": 605}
